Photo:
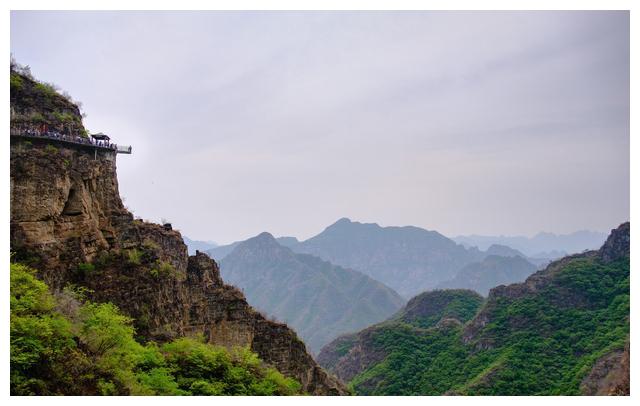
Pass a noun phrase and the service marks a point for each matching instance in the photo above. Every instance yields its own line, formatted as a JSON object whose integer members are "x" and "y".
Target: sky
{"x": 495, "y": 123}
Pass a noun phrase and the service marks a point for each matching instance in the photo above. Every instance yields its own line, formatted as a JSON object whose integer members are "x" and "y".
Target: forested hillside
{"x": 565, "y": 330}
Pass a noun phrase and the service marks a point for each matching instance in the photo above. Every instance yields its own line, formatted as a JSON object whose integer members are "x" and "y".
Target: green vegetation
{"x": 66, "y": 345}
{"x": 134, "y": 256}
{"x": 85, "y": 268}
{"x": 16, "y": 82}
{"x": 46, "y": 89}
{"x": 163, "y": 269}
{"x": 538, "y": 344}
{"x": 35, "y": 103}
{"x": 427, "y": 309}
{"x": 50, "y": 149}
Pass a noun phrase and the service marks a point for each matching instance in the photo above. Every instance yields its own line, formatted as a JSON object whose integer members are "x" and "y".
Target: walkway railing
{"x": 71, "y": 139}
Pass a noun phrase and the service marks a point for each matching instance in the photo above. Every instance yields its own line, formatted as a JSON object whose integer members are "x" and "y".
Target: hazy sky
{"x": 462, "y": 122}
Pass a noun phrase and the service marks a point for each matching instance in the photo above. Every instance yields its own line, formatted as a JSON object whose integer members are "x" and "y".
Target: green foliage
{"x": 134, "y": 256}
{"x": 16, "y": 82}
{"x": 427, "y": 309}
{"x": 37, "y": 118}
{"x": 206, "y": 370}
{"x": 58, "y": 348}
{"x": 50, "y": 149}
{"x": 39, "y": 335}
{"x": 541, "y": 344}
{"x": 85, "y": 268}
{"x": 36, "y": 103}
{"x": 46, "y": 89}
{"x": 163, "y": 269}
{"x": 150, "y": 245}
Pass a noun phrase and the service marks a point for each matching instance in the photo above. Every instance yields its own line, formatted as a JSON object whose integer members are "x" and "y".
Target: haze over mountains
{"x": 492, "y": 271}
{"x": 411, "y": 260}
{"x": 318, "y": 299}
{"x": 195, "y": 245}
{"x": 542, "y": 245}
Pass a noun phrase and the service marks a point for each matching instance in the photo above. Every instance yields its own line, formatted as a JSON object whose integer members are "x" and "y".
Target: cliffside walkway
{"x": 70, "y": 139}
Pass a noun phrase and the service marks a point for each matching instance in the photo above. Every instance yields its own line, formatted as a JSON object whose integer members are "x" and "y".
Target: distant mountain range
{"x": 193, "y": 245}
{"x": 408, "y": 259}
{"x": 542, "y": 245}
{"x": 411, "y": 260}
{"x": 492, "y": 271}
{"x": 319, "y": 300}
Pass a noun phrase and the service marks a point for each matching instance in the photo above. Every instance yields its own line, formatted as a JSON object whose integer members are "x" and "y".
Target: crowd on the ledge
{"x": 45, "y": 133}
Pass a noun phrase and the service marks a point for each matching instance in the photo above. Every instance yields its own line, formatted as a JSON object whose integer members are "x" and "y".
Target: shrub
{"x": 163, "y": 269}
{"x": 85, "y": 269}
{"x": 134, "y": 256}
{"x": 50, "y": 149}
{"x": 46, "y": 89}
{"x": 16, "y": 82}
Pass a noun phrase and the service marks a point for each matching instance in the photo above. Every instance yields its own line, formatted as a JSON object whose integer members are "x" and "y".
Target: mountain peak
{"x": 617, "y": 244}
{"x": 342, "y": 221}
{"x": 264, "y": 238}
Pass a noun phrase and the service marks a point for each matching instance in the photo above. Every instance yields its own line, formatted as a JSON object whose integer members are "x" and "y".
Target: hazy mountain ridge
{"x": 408, "y": 259}
{"x": 540, "y": 245}
{"x": 197, "y": 245}
{"x": 492, "y": 271}
{"x": 318, "y": 299}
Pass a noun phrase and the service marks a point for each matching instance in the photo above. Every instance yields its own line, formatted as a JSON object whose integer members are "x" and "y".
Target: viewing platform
{"x": 98, "y": 141}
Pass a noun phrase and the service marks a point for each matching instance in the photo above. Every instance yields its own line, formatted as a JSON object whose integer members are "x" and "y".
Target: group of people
{"x": 33, "y": 132}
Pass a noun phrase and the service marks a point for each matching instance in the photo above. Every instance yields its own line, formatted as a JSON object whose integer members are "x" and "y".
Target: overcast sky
{"x": 460, "y": 122}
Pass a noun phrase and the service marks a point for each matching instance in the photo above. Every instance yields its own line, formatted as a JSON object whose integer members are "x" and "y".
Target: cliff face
{"x": 68, "y": 221}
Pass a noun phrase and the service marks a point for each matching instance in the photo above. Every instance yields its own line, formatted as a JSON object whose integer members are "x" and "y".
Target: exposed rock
{"x": 68, "y": 221}
{"x": 610, "y": 374}
{"x": 618, "y": 244}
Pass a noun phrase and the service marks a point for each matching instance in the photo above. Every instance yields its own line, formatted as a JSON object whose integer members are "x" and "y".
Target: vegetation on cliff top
{"x": 542, "y": 343}
{"x": 64, "y": 344}
{"x": 35, "y": 104}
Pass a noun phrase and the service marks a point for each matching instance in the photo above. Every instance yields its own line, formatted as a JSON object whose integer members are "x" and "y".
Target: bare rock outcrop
{"x": 610, "y": 375}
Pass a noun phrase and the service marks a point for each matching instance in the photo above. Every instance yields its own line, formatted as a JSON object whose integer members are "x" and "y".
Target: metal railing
{"x": 72, "y": 139}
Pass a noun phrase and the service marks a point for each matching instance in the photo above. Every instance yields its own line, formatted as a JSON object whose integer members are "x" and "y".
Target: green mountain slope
{"x": 319, "y": 300}
{"x": 565, "y": 330}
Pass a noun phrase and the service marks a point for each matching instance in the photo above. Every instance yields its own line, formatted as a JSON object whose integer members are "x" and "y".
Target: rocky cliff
{"x": 68, "y": 221}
